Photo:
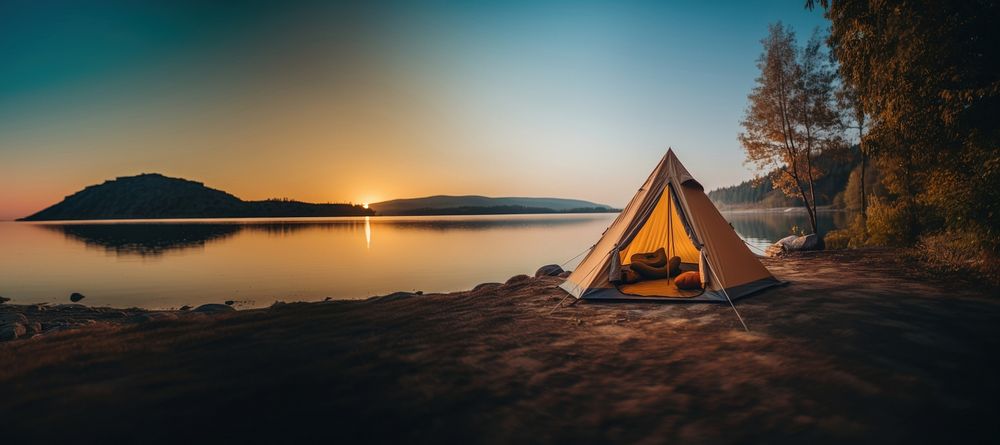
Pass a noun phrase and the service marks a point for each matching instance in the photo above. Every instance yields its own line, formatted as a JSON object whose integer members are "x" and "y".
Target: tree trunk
{"x": 792, "y": 152}
{"x": 864, "y": 197}
{"x": 805, "y": 198}
{"x": 810, "y": 210}
{"x": 864, "y": 203}
{"x": 812, "y": 187}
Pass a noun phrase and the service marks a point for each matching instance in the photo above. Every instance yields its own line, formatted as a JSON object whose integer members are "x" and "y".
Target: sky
{"x": 363, "y": 102}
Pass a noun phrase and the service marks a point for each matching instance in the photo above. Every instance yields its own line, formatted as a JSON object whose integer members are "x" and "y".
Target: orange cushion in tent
{"x": 688, "y": 280}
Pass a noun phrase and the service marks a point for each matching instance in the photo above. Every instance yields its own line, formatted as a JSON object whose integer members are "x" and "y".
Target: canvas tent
{"x": 672, "y": 211}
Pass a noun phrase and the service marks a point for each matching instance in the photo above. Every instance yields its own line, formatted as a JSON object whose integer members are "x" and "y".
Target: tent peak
{"x": 677, "y": 170}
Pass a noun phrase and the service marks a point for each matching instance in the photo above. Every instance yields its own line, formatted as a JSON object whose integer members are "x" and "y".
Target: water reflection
{"x": 761, "y": 229}
{"x": 203, "y": 261}
{"x": 485, "y": 223}
{"x": 145, "y": 239}
{"x": 261, "y": 261}
{"x": 158, "y": 238}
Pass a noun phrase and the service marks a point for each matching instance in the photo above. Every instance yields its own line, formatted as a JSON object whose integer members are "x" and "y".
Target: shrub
{"x": 888, "y": 224}
{"x": 959, "y": 252}
{"x": 837, "y": 239}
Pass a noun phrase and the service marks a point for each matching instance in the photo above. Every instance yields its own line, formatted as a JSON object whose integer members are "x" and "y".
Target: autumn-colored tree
{"x": 854, "y": 118}
{"x": 792, "y": 115}
{"x": 927, "y": 74}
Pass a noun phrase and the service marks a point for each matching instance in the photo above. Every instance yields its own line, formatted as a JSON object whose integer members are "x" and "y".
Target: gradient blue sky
{"x": 325, "y": 102}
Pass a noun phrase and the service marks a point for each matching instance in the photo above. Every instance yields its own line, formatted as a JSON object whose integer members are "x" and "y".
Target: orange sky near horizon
{"x": 332, "y": 102}
{"x": 297, "y": 146}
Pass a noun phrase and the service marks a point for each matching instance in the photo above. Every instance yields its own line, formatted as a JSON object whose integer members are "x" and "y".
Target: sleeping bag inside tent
{"x": 670, "y": 212}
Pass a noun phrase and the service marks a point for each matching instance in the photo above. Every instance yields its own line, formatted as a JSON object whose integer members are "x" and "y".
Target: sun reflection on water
{"x": 368, "y": 232}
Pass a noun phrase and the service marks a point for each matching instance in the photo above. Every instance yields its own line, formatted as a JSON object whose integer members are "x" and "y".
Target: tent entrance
{"x": 663, "y": 229}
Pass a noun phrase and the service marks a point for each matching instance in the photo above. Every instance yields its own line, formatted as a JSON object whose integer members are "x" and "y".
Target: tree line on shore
{"x": 911, "y": 92}
{"x": 839, "y": 179}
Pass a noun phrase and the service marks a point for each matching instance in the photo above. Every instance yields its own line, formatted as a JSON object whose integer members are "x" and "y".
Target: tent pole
{"x": 670, "y": 229}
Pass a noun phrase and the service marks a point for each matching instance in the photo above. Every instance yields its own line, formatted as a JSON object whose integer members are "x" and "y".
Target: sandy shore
{"x": 857, "y": 349}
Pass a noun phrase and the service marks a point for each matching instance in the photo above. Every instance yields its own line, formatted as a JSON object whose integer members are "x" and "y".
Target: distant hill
{"x": 760, "y": 194}
{"x": 482, "y": 205}
{"x": 154, "y": 196}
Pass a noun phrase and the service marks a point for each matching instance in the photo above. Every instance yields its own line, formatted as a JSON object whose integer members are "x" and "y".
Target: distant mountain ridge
{"x": 155, "y": 196}
{"x": 476, "y": 204}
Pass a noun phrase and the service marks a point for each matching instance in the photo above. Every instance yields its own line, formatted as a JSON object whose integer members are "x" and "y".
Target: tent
{"x": 672, "y": 211}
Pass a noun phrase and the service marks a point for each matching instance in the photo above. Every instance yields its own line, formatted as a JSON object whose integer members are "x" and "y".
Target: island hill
{"x": 154, "y": 196}
{"x": 483, "y": 205}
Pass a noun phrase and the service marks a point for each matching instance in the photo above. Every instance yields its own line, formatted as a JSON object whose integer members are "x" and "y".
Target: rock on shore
{"x": 795, "y": 243}
{"x": 549, "y": 270}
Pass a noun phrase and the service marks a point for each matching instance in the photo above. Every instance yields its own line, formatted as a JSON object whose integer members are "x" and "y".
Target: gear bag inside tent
{"x": 670, "y": 212}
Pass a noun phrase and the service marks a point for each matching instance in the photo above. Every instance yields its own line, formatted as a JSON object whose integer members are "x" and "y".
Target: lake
{"x": 167, "y": 264}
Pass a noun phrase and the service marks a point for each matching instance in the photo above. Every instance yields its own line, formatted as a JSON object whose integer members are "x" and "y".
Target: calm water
{"x": 255, "y": 262}
{"x": 761, "y": 229}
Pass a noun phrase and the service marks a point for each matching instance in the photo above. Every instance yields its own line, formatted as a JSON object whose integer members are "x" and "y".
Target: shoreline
{"x": 820, "y": 209}
{"x": 857, "y": 348}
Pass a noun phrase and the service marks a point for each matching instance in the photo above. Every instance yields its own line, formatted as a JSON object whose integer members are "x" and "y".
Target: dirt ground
{"x": 856, "y": 349}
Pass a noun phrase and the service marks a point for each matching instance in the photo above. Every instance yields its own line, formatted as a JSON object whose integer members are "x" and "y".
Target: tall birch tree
{"x": 792, "y": 116}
